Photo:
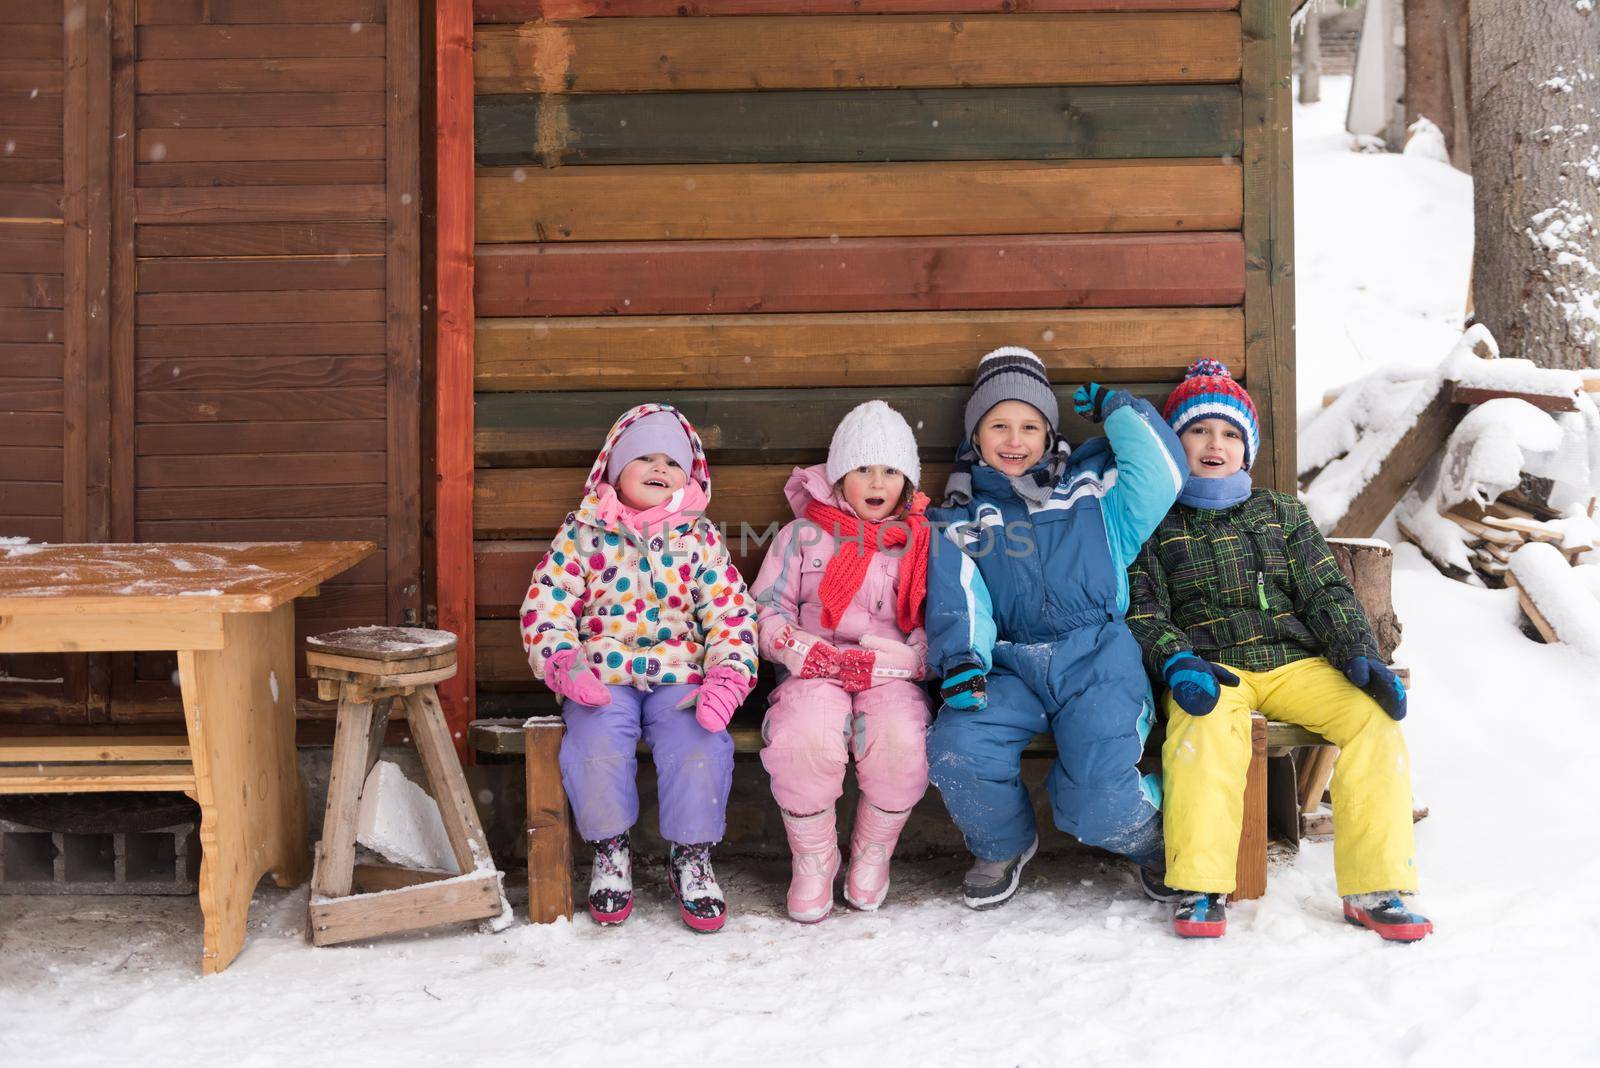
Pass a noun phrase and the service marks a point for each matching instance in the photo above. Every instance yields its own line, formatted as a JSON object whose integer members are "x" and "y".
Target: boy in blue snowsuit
{"x": 1026, "y": 593}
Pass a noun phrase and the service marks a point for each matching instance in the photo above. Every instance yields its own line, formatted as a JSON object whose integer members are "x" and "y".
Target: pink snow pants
{"x": 813, "y": 728}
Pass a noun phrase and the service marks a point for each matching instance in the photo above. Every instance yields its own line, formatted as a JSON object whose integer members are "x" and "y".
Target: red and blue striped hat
{"x": 1208, "y": 391}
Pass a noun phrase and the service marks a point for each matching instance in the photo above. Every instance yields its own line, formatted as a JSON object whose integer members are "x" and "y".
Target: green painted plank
{"x": 745, "y": 426}
{"x": 884, "y": 125}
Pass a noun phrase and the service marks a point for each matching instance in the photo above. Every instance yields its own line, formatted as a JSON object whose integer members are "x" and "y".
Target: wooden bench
{"x": 538, "y": 740}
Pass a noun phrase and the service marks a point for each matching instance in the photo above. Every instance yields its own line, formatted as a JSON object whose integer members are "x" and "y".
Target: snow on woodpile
{"x": 1484, "y": 458}
{"x": 1367, "y": 437}
{"x": 1568, "y": 598}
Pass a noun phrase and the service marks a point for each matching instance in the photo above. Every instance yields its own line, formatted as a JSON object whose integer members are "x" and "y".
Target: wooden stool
{"x": 366, "y": 669}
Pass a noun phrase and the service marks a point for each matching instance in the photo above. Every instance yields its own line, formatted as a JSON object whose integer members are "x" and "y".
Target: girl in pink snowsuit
{"x": 840, "y": 595}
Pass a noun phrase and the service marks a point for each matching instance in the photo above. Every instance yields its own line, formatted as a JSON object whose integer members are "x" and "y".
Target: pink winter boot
{"x": 871, "y": 845}
{"x": 814, "y": 843}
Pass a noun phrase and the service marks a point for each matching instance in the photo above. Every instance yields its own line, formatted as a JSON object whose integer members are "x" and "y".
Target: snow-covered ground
{"x": 1079, "y": 968}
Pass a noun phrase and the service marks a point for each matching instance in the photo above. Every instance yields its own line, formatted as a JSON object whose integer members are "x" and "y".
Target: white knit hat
{"x": 873, "y": 433}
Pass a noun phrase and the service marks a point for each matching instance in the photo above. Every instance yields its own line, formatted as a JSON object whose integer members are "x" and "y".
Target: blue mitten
{"x": 1194, "y": 682}
{"x": 965, "y": 689}
{"x": 1378, "y": 682}
{"x": 1089, "y": 401}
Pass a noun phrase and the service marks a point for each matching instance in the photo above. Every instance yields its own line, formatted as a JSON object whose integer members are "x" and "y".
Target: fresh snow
{"x": 1569, "y": 606}
{"x": 1079, "y": 968}
{"x": 401, "y": 822}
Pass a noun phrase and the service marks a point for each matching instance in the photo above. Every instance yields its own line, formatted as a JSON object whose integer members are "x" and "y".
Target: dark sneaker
{"x": 1388, "y": 916}
{"x": 1156, "y": 889}
{"x": 991, "y": 883}
{"x": 611, "y": 881}
{"x": 694, "y": 884}
{"x": 1200, "y": 916}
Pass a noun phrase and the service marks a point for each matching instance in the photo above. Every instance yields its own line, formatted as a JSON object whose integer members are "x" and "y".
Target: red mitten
{"x": 571, "y": 679}
{"x": 822, "y": 662}
{"x": 855, "y": 669}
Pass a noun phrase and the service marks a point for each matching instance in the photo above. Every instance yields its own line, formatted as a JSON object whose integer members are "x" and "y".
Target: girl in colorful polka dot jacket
{"x": 640, "y": 623}
{"x": 841, "y": 593}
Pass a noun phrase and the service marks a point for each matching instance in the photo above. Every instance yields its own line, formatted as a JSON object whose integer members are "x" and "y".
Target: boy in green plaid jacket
{"x": 1239, "y": 606}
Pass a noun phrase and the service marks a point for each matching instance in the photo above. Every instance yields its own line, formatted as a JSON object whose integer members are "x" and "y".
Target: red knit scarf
{"x": 848, "y": 568}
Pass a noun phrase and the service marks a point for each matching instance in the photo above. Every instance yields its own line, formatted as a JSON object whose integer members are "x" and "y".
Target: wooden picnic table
{"x": 228, "y": 612}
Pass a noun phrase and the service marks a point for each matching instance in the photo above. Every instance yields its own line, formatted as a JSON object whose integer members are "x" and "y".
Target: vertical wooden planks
{"x": 403, "y": 314}
{"x": 1269, "y": 235}
{"x": 453, "y": 351}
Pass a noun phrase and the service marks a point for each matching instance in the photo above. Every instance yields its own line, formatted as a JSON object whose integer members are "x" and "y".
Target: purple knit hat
{"x": 656, "y": 432}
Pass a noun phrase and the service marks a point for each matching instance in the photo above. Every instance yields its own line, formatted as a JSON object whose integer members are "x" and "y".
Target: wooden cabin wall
{"x": 767, "y": 212}
{"x": 252, "y": 371}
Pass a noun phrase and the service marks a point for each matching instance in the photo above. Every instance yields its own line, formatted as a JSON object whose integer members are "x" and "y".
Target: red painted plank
{"x": 564, "y": 10}
{"x": 453, "y": 264}
{"x": 864, "y": 274}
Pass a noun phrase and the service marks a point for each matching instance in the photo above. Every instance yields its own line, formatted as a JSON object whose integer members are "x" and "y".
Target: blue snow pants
{"x": 1089, "y": 690}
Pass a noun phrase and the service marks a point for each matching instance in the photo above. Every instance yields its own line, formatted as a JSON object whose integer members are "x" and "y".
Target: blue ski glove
{"x": 965, "y": 689}
{"x": 1194, "y": 682}
{"x": 1379, "y": 683}
{"x": 1090, "y": 401}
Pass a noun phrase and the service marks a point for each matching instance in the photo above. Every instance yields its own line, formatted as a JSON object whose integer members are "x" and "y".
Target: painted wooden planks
{"x": 881, "y": 125}
{"x": 827, "y": 52}
{"x": 274, "y": 469}
{"x": 746, "y": 426}
{"x": 860, "y": 274}
{"x": 556, "y": 10}
{"x": 254, "y": 502}
{"x": 844, "y": 349}
{"x": 532, "y": 502}
{"x": 772, "y": 200}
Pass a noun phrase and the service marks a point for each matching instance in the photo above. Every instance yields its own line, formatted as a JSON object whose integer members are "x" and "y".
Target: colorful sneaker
{"x": 694, "y": 884}
{"x": 1386, "y": 913}
{"x": 991, "y": 883}
{"x": 1200, "y": 916}
{"x": 611, "y": 881}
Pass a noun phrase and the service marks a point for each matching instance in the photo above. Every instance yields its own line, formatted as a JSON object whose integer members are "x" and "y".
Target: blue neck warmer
{"x": 1216, "y": 493}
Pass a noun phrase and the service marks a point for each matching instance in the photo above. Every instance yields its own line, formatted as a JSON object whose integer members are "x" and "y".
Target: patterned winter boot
{"x": 1201, "y": 916}
{"x": 1387, "y": 914}
{"x": 694, "y": 884}
{"x": 611, "y": 881}
{"x": 872, "y": 843}
{"x": 814, "y": 851}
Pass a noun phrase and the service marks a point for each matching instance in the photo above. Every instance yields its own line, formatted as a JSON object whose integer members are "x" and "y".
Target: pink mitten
{"x": 896, "y": 660}
{"x": 719, "y": 697}
{"x": 573, "y": 680}
{"x": 855, "y": 669}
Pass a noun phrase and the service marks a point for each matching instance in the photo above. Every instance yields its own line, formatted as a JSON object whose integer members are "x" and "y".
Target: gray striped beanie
{"x": 1011, "y": 373}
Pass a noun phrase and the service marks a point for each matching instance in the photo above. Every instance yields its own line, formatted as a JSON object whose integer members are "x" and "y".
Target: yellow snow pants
{"x": 1206, "y": 759}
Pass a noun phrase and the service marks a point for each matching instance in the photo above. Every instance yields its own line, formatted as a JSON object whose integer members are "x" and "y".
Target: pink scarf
{"x": 687, "y": 502}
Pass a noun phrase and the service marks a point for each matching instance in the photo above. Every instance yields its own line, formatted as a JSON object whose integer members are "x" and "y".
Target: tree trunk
{"x": 1311, "y": 57}
{"x": 1536, "y": 170}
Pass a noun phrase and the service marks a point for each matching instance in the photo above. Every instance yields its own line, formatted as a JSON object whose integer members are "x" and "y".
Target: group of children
{"x": 1043, "y": 594}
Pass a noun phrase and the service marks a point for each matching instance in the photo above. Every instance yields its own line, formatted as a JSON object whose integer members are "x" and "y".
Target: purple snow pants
{"x": 600, "y": 765}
